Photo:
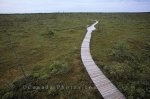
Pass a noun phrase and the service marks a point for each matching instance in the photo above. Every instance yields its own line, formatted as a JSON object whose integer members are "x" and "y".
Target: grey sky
{"x": 36, "y": 6}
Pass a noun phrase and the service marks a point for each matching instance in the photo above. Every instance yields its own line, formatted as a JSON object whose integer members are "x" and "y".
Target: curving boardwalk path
{"x": 103, "y": 84}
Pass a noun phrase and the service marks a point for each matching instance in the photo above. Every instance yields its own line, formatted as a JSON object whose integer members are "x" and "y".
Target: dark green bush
{"x": 49, "y": 34}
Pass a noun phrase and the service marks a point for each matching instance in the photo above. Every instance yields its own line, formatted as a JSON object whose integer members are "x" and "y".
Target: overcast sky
{"x": 41, "y": 6}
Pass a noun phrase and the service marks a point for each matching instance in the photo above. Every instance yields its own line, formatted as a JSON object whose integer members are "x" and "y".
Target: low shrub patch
{"x": 58, "y": 67}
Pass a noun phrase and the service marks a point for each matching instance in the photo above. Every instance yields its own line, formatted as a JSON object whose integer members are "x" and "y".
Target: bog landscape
{"x": 40, "y": 55}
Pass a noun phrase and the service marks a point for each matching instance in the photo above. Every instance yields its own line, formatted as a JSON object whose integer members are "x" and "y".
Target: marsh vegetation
{"x": 47, "y": 47}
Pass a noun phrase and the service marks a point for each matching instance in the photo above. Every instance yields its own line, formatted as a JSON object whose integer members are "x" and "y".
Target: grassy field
{"x": 46, "y": 47}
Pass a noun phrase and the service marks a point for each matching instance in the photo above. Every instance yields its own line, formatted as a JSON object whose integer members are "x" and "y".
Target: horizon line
{"x": 74, "y": 12}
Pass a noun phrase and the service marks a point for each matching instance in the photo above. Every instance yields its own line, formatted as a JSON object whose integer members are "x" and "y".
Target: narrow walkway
{"x": 103, "y": 84}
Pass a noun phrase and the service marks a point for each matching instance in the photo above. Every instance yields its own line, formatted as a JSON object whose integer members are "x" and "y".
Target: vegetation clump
{"x": 48, "y": 34}
{"x": 24, "y": 88}
{"x": 120, "y": 52}
{"x": 59, "y": 67}
{"x": 128, "y": 71}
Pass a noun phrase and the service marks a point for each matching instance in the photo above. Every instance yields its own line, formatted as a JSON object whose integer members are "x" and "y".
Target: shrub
{"x": 19, "y": 91}
{"x": 58, "y": 67}
{"x": 121, "y": 52}
{"x": 44, "y": 76}
{"x": 117, "y": 71}
{"x": 36, "y": 74}
{"x": 49, "y": 34}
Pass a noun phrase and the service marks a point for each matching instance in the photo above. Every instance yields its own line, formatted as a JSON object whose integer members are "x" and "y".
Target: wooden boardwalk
{"x": 103, "y": 84}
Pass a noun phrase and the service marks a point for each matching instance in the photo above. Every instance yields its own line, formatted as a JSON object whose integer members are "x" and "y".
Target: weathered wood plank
{"x": 103, "y": 84}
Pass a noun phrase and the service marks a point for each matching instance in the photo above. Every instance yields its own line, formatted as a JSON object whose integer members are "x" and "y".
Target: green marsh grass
{"x": 39, "y": 40}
